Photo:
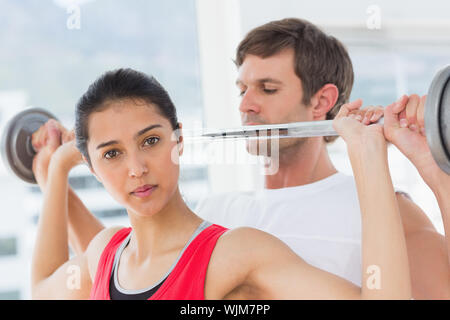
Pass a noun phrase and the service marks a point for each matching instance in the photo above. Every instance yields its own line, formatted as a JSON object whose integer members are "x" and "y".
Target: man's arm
{"x": 427, "y": 250}
{"x": 427, "y": 253}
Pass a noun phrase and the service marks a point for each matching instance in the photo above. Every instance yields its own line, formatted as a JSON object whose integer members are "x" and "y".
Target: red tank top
{"x": 185, "y": 282}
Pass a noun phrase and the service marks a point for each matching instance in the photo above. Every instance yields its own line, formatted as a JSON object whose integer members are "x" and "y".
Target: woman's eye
{"x": 110, "y": 154}
{"x": 151, "y": 141}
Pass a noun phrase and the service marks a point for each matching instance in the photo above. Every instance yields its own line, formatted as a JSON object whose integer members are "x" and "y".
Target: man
{"x": 291, "y": 71}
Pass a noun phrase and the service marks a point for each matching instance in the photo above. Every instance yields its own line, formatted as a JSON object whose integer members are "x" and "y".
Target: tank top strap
{"x": 187, "y": 280}
{"x": 100, "y": 287}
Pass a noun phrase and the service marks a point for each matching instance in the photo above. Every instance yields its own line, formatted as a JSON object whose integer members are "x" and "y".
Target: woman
{"x": 125, "y": 126}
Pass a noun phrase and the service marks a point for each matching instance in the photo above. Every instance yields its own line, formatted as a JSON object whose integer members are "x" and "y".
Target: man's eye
{"x": 241, "y": 93}
{"x": 151, "y": 141}
{"x": 110, "y": 154}
{"x": 270, "y": 91}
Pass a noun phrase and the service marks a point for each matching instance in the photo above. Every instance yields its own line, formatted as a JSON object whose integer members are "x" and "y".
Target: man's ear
{"x": 90, "y": 168}
{"x": 324, "y": 100}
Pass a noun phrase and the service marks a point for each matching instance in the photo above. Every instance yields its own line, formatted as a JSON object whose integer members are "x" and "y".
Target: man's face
{"x": 271, "y": 92}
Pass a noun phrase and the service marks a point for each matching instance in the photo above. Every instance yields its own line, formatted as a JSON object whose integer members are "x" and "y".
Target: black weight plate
{"x": 16, "y": 147}
{"x": 445, "y": 125}
{"x": 437, "y": 118}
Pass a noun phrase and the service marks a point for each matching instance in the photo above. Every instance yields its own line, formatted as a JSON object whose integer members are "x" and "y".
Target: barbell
{"x": 18, "y": 152}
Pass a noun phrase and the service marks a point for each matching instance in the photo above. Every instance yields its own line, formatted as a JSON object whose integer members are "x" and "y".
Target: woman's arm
{"x": 51, "y": 267}
{"x": 51, "y": 247}
{"x": 83, "y": 225}
{"x": 277, "y": 273}
{"x": 384, "y": 253}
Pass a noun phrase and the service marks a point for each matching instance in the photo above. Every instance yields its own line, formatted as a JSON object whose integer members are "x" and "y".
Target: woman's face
{"x": 131, "y": 147}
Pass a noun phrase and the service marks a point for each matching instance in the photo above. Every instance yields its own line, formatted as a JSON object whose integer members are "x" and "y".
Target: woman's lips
{"x": 143, "y": 191}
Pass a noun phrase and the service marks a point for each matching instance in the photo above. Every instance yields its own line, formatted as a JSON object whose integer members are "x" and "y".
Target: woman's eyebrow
{"x": 139, "y": 133}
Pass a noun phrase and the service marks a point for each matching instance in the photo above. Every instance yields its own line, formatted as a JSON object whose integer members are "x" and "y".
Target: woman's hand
{"x": 45, "y": 141}
{"x": 66, "y": 156}
{"x": 54, "y": 144}
{"x": 404, "y": 127}
{"x": 351, "y": 123}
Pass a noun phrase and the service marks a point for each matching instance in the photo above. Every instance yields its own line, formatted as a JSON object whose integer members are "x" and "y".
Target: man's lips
{"x": 252, "y": 123}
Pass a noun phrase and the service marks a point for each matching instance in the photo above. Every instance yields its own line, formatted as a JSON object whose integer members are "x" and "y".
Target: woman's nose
{"x": 137, "y": 166}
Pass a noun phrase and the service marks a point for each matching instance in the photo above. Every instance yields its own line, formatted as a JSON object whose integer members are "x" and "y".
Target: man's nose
{"x": 250, "y": 102}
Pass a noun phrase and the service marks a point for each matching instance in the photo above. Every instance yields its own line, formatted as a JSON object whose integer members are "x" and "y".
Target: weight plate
{"x": 16, "y": 148}
{"x": 437, "y": 119}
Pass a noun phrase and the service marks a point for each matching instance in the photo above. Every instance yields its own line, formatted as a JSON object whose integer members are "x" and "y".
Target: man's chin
{"x": 272, "y": 147}
{"x": 261, "y": 147}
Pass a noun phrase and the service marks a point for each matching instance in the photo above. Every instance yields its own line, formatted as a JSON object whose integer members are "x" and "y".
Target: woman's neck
{"x": 167, "y": 230}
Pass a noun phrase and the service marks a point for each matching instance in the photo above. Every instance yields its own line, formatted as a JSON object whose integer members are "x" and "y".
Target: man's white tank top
{"x": 320, "y": 221}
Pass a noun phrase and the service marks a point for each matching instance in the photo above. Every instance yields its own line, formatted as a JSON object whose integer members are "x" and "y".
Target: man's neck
{"x": 303, "y": 164}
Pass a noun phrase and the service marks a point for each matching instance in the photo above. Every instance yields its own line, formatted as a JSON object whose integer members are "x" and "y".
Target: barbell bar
{"x": 18, "y": 153}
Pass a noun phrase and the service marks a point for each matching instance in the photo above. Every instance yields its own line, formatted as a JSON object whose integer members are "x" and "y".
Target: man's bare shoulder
{"x": 413, "y": 217}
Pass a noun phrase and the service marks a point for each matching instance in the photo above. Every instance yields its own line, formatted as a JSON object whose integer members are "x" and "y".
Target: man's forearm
{"x": 83, "y": 225}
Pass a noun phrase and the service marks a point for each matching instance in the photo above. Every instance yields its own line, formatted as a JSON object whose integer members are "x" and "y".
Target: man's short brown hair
{"x": 319, "y": 58}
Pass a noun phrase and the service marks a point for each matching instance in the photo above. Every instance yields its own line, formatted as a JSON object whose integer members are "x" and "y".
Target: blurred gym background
{"x": 52, "y": 50}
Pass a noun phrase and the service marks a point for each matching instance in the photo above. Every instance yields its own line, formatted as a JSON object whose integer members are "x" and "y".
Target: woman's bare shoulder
{"x": 253, "y": 248}
{"x": 237, "y": 252}
{"x": 97, "y": 245}
{"x": 247, "y": 238}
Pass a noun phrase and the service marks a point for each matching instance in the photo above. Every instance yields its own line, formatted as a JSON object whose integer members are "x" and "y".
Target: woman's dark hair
{"x": 116, "y": 85}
